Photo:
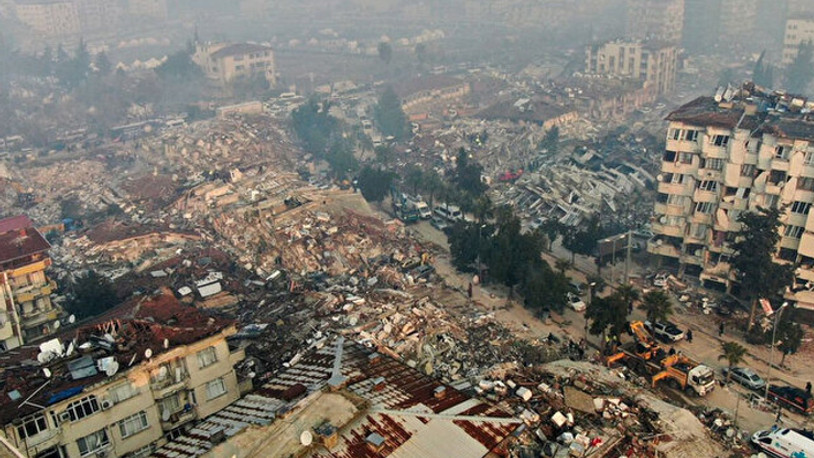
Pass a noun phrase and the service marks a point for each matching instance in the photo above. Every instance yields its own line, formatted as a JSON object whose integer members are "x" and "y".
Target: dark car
{"x": 792, "y": 398}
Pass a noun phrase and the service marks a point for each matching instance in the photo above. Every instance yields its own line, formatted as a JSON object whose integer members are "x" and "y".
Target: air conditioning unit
{"x": 64, "y": 416}
{"x": 106, "y": 403}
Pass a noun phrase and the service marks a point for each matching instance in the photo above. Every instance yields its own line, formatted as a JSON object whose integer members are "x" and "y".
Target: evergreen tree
{"x": 801, "y": 70}
{"x": 374, "y": 183}
{"x": 390, "y": 116}
{"x": 756, "y": 243}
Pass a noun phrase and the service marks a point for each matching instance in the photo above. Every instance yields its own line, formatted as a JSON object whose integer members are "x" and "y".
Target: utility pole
{"x": 627, "y": 259}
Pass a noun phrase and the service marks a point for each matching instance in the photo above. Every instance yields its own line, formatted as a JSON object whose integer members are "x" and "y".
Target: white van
{"x": 449, "y": 212}
{"x": 785, "y": 442}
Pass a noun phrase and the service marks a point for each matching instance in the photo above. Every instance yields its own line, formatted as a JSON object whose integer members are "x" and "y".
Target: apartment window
{"x": 675, "y": 178}
{"x": 215, "y": 388}
{"x": 770, "y": 200}
{"x": 794, "y": 232}
{"x": 669, "y": 156}
{"x": 207, "y": 357}
{"x": 682, "y": 134}
{"x": 720, "y": 140}
{"x": 713, "y": 164}
{"x": 777, "y": 176}
{"x": 782, "y": 152}
{"x": 122, "y": 392}
{"x": 809, "y": 156}
{"x": 238, "y": 58}
{"x": 57, "y": 451}
{"x": 805, "y": 184}
{"x": 673, "y": 199}
{"x": 133, "y": 424}
{"x": 673, "y": 220}
{"x": 708, "y": 185}
{"x": 748, "y": 170}
{"x": 704, "y": 207}
{"x": 170, "y": 404}
{"x": 143, "y": 452}
{"x": 32, "y": 425}
{"x": 83, "y": 408}
{"x": 801, "y": 208}
{"x": 685, "y": 158}
{"x": 93, "y": 442}
{"x": 698, "y": 231}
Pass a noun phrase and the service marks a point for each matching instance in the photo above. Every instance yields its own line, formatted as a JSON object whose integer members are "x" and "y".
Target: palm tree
{"x": 629, "y": 294}
{"x": 657, "y": 306}
{"x": 733, "y": 353}
{"x": 562, "y": 265}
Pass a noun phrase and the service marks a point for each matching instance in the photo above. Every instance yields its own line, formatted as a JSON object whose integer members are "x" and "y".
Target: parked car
{"x": 440, "y": 224}
{"x": 576, "y": 303}
{"x": 665, "y": 331}
{"x": 660, "y": 280}
{"x": 746, "y": 377}
{"x": 576, "y": 287}
{"x": 792, "y": 398}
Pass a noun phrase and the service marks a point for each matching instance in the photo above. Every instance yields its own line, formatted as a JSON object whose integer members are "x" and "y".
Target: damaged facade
{"x": 735, "y": 152}
{"x": 25, "y": 289}
{"x": 119, "y": 385}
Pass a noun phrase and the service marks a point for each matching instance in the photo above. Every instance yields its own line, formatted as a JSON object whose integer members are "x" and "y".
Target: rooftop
{"x": 522, "y": 110}
{"x": 753, "y": 108}
{"x": 425, "y": 83}
{"x": 239, "y": 49}
{"x": 14, "y": 223}
{"x": 20, "y": 243}
{"x": 398, "y": 406}
{"x": 123, "y": 334}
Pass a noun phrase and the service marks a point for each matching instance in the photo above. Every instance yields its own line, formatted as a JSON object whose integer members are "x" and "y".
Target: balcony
{"x": 180, "y": 417}
{"x": 169, "y": 384}
{"x": 723, "y": 249}
{"x": 671, "y": 231}
{"x": 663, "y": 249}
{"x": 683, "y": 146}
{"x": 671, "y": 210}
{"x": 680, "y": 189}
{"x": 701, "y": 195}
{"x": 679, "y": 167}
{"x": 691, "y": 259}
{"x": 702, "y": 218}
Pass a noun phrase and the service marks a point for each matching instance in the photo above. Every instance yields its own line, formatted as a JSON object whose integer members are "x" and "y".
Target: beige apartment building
{"x": 155, "y": 9}
{"x": 653, "y": 62}
{"x": 655, "y": 19}
{"x": 798, "y": 31}
{"x": 51, "y": 18}
{"x": 121, "y": 386}
{"x": 26, "y": 311}
{"x": 728, "y": 154}
{"x": 225, "y": 62}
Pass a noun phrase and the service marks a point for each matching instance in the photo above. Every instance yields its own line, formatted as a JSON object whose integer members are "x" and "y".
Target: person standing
{"x": 689, "y": 335}
{"x": 808, "y": 388}
{"x": 721, "y": 329}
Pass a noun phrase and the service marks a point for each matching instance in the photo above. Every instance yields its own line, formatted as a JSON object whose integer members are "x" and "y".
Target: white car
{"x": 660, "y": 280}
{"x": 576, "y": 302}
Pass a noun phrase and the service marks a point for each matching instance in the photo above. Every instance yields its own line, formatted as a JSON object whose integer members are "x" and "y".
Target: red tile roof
{"x": 14, "y": 223}
{"x": 20, "y": 243}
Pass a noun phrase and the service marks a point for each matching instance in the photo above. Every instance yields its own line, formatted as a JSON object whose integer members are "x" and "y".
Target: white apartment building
{"x": 728, "y": 154}
{"x": 798, "y": 31}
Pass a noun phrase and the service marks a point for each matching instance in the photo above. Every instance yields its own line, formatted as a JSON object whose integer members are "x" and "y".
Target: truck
{"x": 403, "y": 209}
{"x": 792, "y": 398}
{"x": 786, "y": 442}
{"x": 645, "y": 356}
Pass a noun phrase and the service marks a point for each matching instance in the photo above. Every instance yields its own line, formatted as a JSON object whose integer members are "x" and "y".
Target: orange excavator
{"x": 647, "y": 357}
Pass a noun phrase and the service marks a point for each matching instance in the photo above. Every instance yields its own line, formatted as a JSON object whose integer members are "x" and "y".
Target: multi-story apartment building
{"x": 51, "y": 18}
{"x": 728, "y": 154}
{"x": 224, "y": 62}
{"x": 25, "y": 289}
{"x": 657, "y": 19}
{"x": 154, "y": 9}
{"x": 122, "y": 385}
{"x": 798, "y": 31}
{"x": 99, "y": 15}
{"x": 650, "y": 61}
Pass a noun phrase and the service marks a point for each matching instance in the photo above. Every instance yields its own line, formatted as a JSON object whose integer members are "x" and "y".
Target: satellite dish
{"x": 112, "y": 368}
{"x": 166, "y": 343}
{"x": 46, "y": 372}
{"x": 165, "y": 415}
{"x": 70, "y": 349}
{"x": 72, "y": 319}
{"x": 109, "y": 338}
{"x": 306, "y": 438}
{"x": 56, "y": 325}
{"x": 162, "y": 372}
{"x": 148, "y": 353}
